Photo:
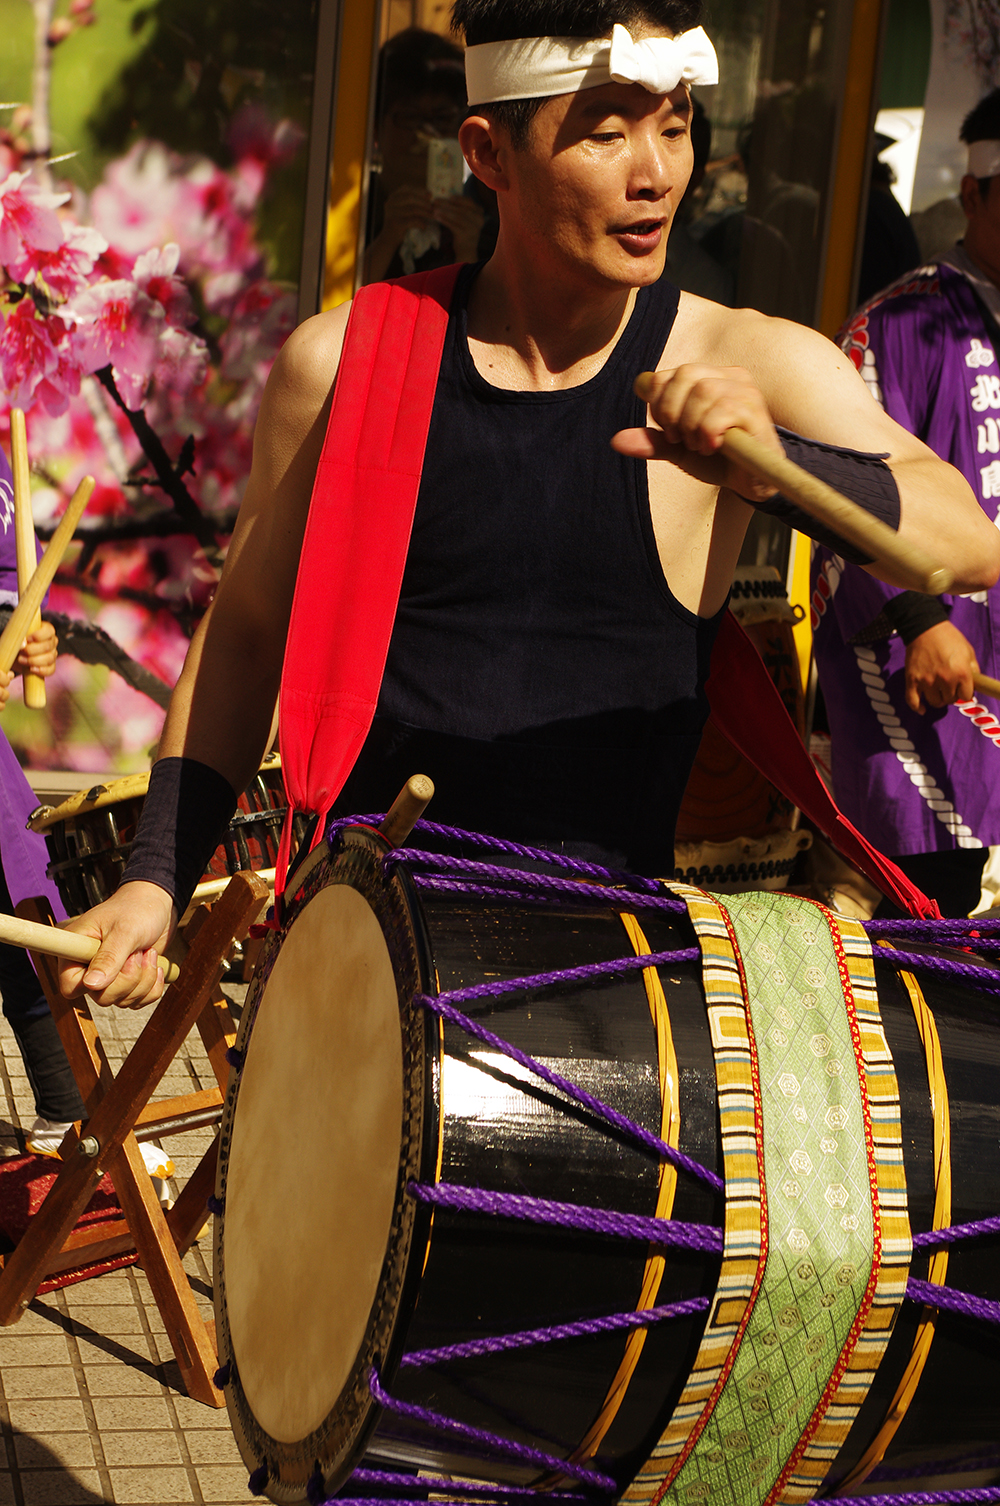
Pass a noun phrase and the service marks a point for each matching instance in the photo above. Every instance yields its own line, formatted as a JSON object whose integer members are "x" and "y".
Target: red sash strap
{"x": 357, "y": 535}
{"x": 351, "y": 571}
{"x": 747, "y": 708}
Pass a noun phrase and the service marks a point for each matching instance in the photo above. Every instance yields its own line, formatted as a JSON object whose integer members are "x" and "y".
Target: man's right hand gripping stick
{"x": 53, "y": 942}
{"x": 868, "y": 534}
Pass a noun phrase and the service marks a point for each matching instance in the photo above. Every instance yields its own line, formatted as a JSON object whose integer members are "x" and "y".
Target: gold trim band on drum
{"x": 938, "y": 1269}
{"x": 670, "y": 1129}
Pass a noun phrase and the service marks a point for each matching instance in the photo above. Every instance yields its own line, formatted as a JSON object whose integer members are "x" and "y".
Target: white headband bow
{"x": 984, "y": 159}
{"x": 534, "y": 67}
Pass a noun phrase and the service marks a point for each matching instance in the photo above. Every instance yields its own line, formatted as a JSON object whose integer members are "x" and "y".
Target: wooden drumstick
{"x": 868, "y": 534}
{"x": 53, "y": 942}
{"x": 31, "y": 598}
{"x": 24, "y": 539}
{"x": 408, "y": 806}
{"x": 986, "y": 686}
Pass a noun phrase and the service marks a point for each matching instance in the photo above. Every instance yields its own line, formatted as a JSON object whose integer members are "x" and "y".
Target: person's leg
{"x": 26, "y": 1009}
{"x": 954, "y": 879}
{"x": 57, "y": 1098}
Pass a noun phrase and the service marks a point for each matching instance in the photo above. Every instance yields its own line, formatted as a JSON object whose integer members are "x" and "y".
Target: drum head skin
{"x": 317, "y": 1127}
{"x": 310, "y": 1176}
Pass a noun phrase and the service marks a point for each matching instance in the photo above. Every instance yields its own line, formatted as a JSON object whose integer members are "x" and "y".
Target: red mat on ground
{"x": 24, "y": 1182}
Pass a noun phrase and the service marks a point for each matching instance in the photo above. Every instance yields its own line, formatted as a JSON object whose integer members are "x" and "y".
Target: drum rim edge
{"x": 336, "y": 1450}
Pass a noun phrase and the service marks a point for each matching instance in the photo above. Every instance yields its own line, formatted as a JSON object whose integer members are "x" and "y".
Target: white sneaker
{"x": 160, "y": 1167}
{"x": 45, "y": 1137}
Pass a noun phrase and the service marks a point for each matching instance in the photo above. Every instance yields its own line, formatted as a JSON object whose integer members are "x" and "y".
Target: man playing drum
{"x": 568, "y": 567}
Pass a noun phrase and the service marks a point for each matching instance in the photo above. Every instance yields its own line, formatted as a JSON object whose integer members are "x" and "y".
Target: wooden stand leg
{"x": 189, "y": 1214}
{"x": 114, "y": 1105}
{"x": 193, "y": 1347}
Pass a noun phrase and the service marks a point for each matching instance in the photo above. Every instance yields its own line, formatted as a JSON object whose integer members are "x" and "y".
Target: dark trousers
{"x": 26, "y": 1010}
{"x": 954, "y": 879}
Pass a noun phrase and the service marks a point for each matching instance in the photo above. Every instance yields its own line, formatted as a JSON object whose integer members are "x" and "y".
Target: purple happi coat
{"x": 22, "y": 852}
{"x": 917, "y": 783}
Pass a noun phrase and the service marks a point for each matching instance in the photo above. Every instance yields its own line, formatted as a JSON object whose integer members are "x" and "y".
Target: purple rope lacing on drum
{"x": 491, "y": 1442}
{"x": 529, "y": 1337}
{"x": 925, "y": 1498}
{"x": 590, "y": 893}
{"x": 629, "y": 888}
{"x": 986, "y": 979}
{"x": 441, "y": 1005}
{"x": 933, "y": 1239}
{"x": 513, "y": 849}
{"x": 951, "y": 1300}
{"x": 954, "y": 928}
{"x": 625, "y": 889}
{"x": 535, "y": 1210}
{"x": 397, "y": 1481}
{"x": 666, "y": 1232}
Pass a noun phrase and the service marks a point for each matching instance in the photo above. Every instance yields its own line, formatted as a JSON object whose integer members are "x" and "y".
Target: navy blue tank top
{"x": 540, "y": 669}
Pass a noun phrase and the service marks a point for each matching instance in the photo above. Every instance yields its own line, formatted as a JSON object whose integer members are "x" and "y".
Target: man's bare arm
{"x": 775, "y": 372}
{"x": 223, "y": 704}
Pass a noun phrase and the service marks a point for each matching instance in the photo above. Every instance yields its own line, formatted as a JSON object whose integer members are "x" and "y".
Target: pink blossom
{"x": 181, "y": 360}
{"x": 155, "y": 273}
{"x": 27, "y": 352}
{"x": 151, "y": 196}
{"x": 27, "y": 217}
{"x": 152, "y": 638}
{"x": 56, "y": 389}
{"x": 120, "y": 325}
{"x": 65, "y": 269}
{"x": 258, "y": 143}
{"x": 253, "y": 133}
{"x": 135, "y": 206}
{"x": 113, "y": 264}
{"x": 138, "y": 720}
{"x": 263, "y": 318}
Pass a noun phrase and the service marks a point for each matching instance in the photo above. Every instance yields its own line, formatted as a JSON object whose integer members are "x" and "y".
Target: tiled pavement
{"x": 92, "y": 1408}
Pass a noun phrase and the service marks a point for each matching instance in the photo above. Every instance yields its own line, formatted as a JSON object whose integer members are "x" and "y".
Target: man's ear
{"x": 483, "y": 144}
{"x": 972, "y": 199}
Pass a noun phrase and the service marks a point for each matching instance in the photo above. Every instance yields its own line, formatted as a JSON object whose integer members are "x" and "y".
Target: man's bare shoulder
{"x": 307, "y": 362}
{"x": 719, "y": 336}
{"x": 809, "y": 383}
{"x": 296, "y": 402}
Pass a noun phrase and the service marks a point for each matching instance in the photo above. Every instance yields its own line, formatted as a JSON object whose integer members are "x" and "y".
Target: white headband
{"x": 534, "y": 67}
{"x": 984, "y": 159}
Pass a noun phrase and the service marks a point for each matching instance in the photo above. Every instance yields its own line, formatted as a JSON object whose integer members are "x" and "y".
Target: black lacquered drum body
{"x": 326, "y": 1269}
{"x": 469, "y": 1116}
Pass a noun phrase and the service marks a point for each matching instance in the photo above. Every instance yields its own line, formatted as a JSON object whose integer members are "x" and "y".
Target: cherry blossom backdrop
{"x": 148, "y": 283}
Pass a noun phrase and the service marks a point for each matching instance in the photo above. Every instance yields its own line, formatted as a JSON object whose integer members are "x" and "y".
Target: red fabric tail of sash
{"x": 747, "y": 708}
{"x": 357, "y": 535}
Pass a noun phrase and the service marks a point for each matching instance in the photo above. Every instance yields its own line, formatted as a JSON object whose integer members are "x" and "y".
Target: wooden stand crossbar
{"x": 116, "y": 1106}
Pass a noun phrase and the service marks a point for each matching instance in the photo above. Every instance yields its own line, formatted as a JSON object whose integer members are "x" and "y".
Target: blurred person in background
{"x": 917, "y": 777}
{"x": 890, "y": 245}
{"x": 420, "y": 99}
{"x": 689, "y": 265}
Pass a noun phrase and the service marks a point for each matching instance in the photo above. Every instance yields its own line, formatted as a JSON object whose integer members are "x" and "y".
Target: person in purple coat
{"x": 915, "y": 748}
{"x": 22, "y": 875}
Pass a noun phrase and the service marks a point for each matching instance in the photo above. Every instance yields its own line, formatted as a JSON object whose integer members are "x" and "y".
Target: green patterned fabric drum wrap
{"x": 817, "y": 1239}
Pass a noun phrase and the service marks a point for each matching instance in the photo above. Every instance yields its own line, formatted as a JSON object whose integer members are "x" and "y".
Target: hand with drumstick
{"x": 37, "y": 657}
{"x": 941, "y": 668}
